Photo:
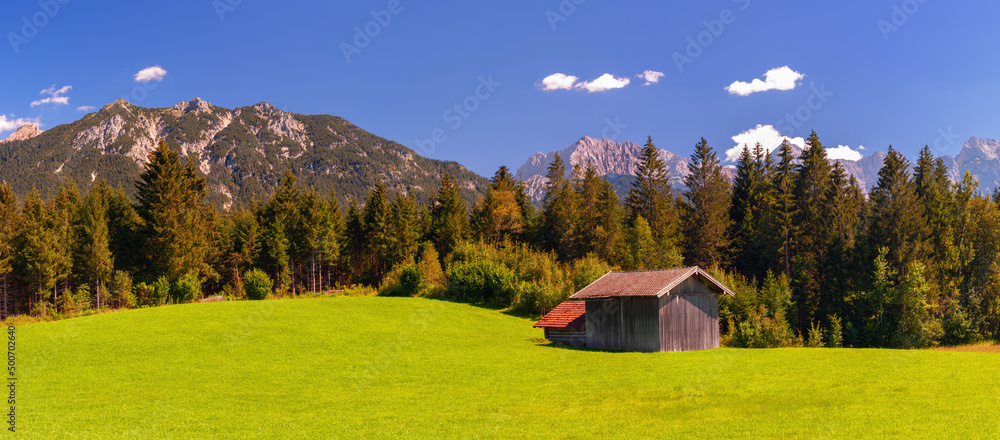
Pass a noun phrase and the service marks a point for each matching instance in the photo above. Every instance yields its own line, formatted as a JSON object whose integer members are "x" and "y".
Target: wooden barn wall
{"x": 640, "y": 324}
{"x": 566, "y": 335}
{"x": 626, "y": 323}
{"x": 604, "y": 324}
{"x": 689, "y": 322}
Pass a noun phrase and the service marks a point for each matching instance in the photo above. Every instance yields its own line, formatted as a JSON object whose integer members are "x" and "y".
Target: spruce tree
{"x": 705, "y": 209}
{"x": 752, "y": 200}
{"x": 377, "y": 234}
{"x": 650, "y": 197}
{"x": 499, "y": 216}
{"x": 178, "y": 224}
{"x": 811, "y": 188}
{"x": 8, "y": 231}
{"x": 897, "y": 222}
{"x": 93, "y": 259}
{"x": 404, "y": 227}
{"x": 559, "y": 212}
{"x": 780, "y": 221}
{"x": 448, "y": 217}
{"x": 35, "y": 246}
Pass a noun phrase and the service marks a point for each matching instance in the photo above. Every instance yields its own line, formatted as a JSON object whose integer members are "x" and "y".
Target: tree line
{"x": 814, "y": 260}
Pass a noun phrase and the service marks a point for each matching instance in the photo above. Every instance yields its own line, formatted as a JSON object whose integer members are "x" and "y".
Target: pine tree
{"x": 705, "y": 210}
{"x": 330, "y": 237}
{"x": 448, "y": 217}
{"x": 279, "y": 218}
{"x": 246, "y": 239}
{"x": 812, "y": 180}
{"x": 93, "y": 259}
{"x": 178, "y": 225}
{"x": 352, "y": 253}
{"x": 35, "y": 246}
{"x": 897, "y": 222}
{"x": 499, "y": 216}
{"x": 377, "y": 235}
{"x": 63, "y": 215}
{"x": 650, "y": 197}
{"x": 404, "y": 226}
{"x": 780, "y": 219}
{"x": 933, "y": 189}
{"x": 752, "y": 200}
{"x": 8, "y": 231}
{"x": 598, "y": 221}
{"x": 559, "y": 212}
{"x": 609, "y": 235}
{"x": 309, "y": 234}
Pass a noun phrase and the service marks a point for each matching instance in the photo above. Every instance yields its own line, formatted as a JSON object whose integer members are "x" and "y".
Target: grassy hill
{"x": 402, "y": 367}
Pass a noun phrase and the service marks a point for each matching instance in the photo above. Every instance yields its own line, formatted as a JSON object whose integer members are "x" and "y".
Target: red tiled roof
{"x": 644, "y": 283}
{"x": 568, "y": 314}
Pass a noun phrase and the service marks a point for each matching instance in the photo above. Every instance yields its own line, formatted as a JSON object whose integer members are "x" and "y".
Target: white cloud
{"x": 844, "y": 152}
{"x": 148, "y": 74}
{"x": 55, "y": 96}
{"x": 767, "y": 135}
{"x": 558, "y": 81}
{"x": 779, "y": 78}
{"x": 13, "y": 124}
{"x": 86, "y": 108}
{"x": 651, "y": 76}
{"x": 603, "y": 83}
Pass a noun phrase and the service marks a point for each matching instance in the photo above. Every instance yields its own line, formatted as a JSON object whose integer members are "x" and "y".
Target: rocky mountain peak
{"x": 26, "y": 131}
{"x": 266, "y": 110}
{"x": 974, "y": 148}
{"x": 118, "y": 105}
{"x": 195, "y": 105}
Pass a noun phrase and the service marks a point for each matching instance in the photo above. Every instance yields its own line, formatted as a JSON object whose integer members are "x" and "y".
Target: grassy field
{"x": 399, "y": 367}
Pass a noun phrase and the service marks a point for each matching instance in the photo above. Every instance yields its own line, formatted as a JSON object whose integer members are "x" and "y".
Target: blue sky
{"x": 861, "y": 73}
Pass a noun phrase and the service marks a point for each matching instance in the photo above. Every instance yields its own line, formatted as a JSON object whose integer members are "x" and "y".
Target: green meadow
{"x": 373, "y": 367}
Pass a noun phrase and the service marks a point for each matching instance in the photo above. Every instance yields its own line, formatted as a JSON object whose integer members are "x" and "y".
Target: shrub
{"x": 403, "y": 280}
{"x": 489, "y": 282}
{"x": 958, "y": 328}
{"x": 70, "y": 302}
{"x": 186, "y": 289}
{"x": 257, "y": 284}
{"x": 122, "y": 294}
{"x": 430, "y": 268}
{"x": 762, "y": 331}
{"x": 836, "y": 334}
{"x": 144, "y": 294}
{"x": 161, "y": 291}
{"x": 815, "y": 338}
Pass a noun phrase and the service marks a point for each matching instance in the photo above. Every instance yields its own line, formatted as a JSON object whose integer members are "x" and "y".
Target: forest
{"x": 814, "y": 260}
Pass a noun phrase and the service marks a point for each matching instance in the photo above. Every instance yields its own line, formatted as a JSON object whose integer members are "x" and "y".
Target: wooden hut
{"x": 654, "y": 310}
{"x": 565, "y": 323}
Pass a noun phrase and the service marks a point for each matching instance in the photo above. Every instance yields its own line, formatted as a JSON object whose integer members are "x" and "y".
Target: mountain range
{"x": 243, "y": 153}
{"x": 616, "y": 162}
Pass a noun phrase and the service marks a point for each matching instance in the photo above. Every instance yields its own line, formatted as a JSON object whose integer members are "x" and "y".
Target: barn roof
{"x": 645, "y": 283}
{"x": 568, "y": 314}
